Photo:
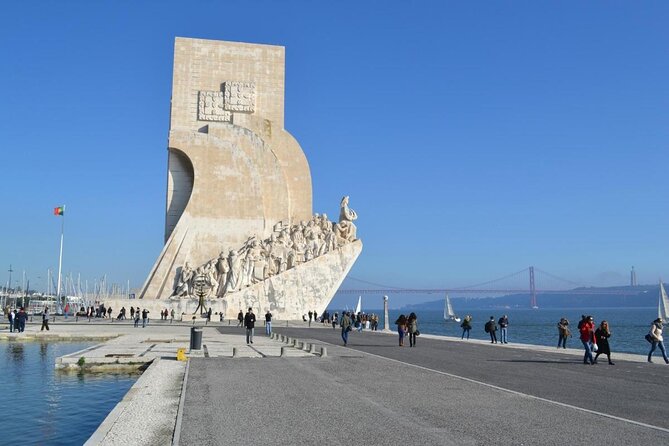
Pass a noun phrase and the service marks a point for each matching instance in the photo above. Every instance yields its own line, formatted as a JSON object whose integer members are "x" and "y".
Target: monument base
{"x": 289, "y": 295}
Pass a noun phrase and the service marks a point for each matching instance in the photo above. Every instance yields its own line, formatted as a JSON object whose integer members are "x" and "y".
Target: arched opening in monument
{"x": 180, "y": 179}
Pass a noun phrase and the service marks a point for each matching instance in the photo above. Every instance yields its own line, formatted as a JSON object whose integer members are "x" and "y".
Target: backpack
{"x": 487, "y": 327}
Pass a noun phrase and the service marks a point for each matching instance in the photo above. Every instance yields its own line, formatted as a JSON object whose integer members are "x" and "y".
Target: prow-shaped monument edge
{"x": 239, "y": 229}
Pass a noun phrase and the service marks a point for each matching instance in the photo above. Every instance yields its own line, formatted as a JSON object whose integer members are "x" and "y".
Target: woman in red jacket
{"x": 587, "y": 330}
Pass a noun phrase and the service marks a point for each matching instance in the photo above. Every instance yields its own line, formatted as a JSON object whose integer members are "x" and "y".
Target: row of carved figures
{"x": 257, "y": 260}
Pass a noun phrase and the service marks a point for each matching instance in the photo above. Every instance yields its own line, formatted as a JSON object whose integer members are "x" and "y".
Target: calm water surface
{"x": 628, "y": 325}
{"x": 43, "y": 406}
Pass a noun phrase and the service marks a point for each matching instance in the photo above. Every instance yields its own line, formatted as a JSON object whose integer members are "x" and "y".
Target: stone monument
{"x": 239, "y": 228}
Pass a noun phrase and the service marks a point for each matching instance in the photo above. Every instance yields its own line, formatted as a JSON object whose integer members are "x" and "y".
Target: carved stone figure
{"x": 234, "y": 263}
{"x": 210, "y": 277}
{"x": 345, "y": 229}
{"x": 222, "y": 268}
{"x": 184, "y": 285}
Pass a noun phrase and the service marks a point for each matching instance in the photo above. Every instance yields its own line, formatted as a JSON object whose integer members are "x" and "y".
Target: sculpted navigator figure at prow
{"x": 345, "y": 229}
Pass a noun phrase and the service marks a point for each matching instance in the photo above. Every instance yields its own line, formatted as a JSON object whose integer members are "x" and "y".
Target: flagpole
{"x": 60, "y": 257}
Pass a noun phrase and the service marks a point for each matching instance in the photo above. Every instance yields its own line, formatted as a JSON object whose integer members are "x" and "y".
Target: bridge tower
{"x": 533, "y": 290}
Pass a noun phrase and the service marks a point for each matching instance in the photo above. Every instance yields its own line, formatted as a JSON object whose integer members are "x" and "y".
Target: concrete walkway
{"x": 445, "y": 391}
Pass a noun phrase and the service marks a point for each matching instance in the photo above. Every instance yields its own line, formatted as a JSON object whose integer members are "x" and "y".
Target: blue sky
{"x": 474, "y": 138}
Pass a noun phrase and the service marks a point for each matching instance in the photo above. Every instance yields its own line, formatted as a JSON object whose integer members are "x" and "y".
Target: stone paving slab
{"x": 147, "y": 413}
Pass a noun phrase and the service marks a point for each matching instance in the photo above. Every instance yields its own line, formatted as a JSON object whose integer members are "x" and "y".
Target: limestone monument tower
{"x": 239, "y": 228}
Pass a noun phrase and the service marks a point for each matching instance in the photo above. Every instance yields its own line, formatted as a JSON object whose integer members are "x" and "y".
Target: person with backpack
{"x": 466, "y": 326}
{"x": 491, "y": 328}
{"x": 587, "y": 332}
{"x": 656, "y": 339}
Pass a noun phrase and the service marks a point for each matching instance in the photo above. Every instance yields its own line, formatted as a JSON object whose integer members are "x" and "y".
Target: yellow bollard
{"x": 181, "y": 354}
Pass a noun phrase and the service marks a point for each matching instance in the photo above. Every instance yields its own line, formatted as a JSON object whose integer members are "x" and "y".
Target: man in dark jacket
{"x": 45, "y": 319}
{"x": 21, "y": 318}
{"x": 249, "y": 323}
{"x": 503, "y": 323}
{"x": 491, "y": 329}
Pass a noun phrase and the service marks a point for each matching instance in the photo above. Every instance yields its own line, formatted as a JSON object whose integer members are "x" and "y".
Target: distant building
{"x": 633, "y": 278}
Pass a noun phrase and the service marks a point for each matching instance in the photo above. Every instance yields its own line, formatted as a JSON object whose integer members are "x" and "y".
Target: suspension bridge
{"x": 488, "y": 287}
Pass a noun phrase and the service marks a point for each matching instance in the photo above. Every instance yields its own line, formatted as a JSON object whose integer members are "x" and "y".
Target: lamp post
{"x": 386, "y": 323}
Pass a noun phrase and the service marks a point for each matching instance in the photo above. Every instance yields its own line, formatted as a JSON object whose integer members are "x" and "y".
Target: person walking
{"x": 22, "y": 317}
{"x": 491, "y": 328}
{"x": 563, "y": 332}
{"x": 208, "y": 314}
{"x": 45, "y": 319}
{"x": 268, "y": 323}
{"x": 172, "y": 315}
{"x": 249, "y": 323}
{"x": 466, "y": 326}
{"x": 334, "y": 320}
{"x": 345, "y": 325}
{"x": 412, "y": 324}
{"x": 240, "y": 318}
{"x": 401, "y": 323}
{"x": 503, "y": 324}
{"x": 587, "y": 332}
{"x": 132, "y": 312}
{"x": 602, "y": 335}
{"x": 12, "y": 320}
{"x": 311, "y": 314}
{"x": 136, "y": 319}
{"x": 145, "y": 317}
{"x": 657, "y": 340}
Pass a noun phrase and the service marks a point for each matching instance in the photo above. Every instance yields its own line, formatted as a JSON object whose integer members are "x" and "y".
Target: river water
{"x": 628, "y": 325}
{"x": 42, "y": 406}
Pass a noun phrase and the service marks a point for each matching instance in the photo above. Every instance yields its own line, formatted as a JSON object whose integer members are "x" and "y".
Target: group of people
{"x": 17, "y": 319}
{"x": 407, "y": 325}
{"x": 491, "y": 327}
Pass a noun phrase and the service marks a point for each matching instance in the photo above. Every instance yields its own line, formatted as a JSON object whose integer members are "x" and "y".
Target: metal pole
{"x": 60, "y": 256}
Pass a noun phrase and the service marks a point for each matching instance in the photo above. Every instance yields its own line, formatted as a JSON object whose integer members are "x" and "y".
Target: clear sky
{"x": 474, "y": 138}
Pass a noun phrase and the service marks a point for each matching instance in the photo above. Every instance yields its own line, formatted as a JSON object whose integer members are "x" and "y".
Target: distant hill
{"x": 639, "y": 296}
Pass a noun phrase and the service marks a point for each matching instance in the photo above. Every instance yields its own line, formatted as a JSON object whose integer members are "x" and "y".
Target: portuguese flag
{"x": 60, "y": 210}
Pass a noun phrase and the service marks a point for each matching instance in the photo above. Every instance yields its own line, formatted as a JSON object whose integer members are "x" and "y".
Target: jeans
{"x": 662, "y": 349}
{"x": 45, "y": 324}
{"x": 268, "y": 328}
{"x": 344, "y": 335}
{"x": 562, "y": 341}
{"x": 493, "y": 337}
{"x": 412, "y": 339}
{"x": 249, "y": 335}
{"x": 587, "y": 358}
{"x": 465, "y": 331}
{"x": 11, "y": 326}
{"x": 503, "y": 335}
{"x": 143, "y": 323}
{"x": 400, "y": 331}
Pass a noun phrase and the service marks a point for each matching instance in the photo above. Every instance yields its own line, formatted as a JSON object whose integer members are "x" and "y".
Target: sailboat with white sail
{"x": 358, "y": 308}
{"x": 663, "y": 305}
{"x": 449, "y": 314}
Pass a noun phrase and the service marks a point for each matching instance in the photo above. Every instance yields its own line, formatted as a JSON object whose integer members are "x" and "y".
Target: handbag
{"x": 594, "y": 347}
{"x": 417, "y": 333}
{"x": 649, "y": 338}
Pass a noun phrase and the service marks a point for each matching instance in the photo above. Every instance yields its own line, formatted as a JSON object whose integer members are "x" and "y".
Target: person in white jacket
{"x": 657, "y": 340}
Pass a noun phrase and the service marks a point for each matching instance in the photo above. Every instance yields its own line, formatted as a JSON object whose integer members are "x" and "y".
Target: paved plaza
{"x": 445, "y": 391}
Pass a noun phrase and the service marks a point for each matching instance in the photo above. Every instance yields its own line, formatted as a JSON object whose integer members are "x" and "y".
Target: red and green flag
{"x": 60, "y": 210}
